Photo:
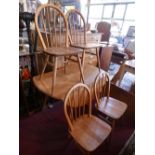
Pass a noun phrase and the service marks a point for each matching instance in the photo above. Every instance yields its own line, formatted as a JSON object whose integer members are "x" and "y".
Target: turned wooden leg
{"x": 44, "y": 67}
{"x": 45, "y": 102}
{"x": 54, "y": 74}
{"x": 98, "y": 59}
{"x": 83, "y": 59}
{"x": 81, "y": 68}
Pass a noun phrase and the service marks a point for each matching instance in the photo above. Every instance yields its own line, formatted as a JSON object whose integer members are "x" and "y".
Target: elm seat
{"x": 86, "y": 45}
{"x": 90, "y": 132}
{"x": 62, "y": 51}
{"x": 112, "y": 107}
{"x": 86, "y": 129}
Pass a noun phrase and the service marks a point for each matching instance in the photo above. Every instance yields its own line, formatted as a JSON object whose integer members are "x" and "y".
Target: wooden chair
{"x": 77, "y": 34}
{"x": 104, "y": 27}
{"x": 86, "y": 129}
{"x": 108, "y": 107}
{"x": 52, "y": 29}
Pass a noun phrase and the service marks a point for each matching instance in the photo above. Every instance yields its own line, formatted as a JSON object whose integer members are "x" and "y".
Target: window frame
{"x": 114, "y": 4}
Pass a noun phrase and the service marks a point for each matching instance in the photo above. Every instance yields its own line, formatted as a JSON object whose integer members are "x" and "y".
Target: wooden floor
{"x": 66, "y": 80}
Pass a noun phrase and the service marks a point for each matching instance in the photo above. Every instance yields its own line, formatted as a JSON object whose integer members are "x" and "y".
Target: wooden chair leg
{"x": 110, "y": 136}
{"x": 54, "y": 75}
{"x": 36, "y": 62}
{"x": 98, "y": 59}
{"x": 43, "y": 70}
{"x": 119, "y": 75}
{"x": 81, "y": 68}
{"x": 45, "y": 102}
{"x": 83, "y": 59}
{"x": 65, "y": 64}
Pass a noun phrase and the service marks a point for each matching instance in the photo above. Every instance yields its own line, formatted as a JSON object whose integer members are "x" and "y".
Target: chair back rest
{"x": 51, "y": 26}
{"x": 77, "y": 103}
{"x": 102, "y": 86}
{"x": 76, "y": 27}
{"x": 129, "y": 36}
{"x": 104, "y": 27}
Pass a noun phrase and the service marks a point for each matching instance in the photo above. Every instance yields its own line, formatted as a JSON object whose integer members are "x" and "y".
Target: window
{"x": 96, "y": 1}
{"x": 119, "y": 11}
{"x": 95, "y": 11}
{"x": 66, "y": 8}
{"x": 43, "y": 1}
{"x": 130, "y": 13}
{"x": 107, "y": 11}
{"x": 93, "y": 23}
{"x": 116, "y": 27}
{"x": 126, "y": 26}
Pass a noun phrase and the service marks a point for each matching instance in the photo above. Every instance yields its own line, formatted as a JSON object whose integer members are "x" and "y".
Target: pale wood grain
{"x": 66, "y": 81}
{"x": 107, "y": 105}
{"x": 86, "y": 129}
{"x": 77, "y": 34}
{"x": 52, "y": 28}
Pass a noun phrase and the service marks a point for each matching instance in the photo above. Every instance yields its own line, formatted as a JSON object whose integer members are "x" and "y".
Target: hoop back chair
{"x": 52, "y": 29}
{"x": 110, "y": 107}
{"x": 77, "y": 34}
{"x": 86, "y": 129}
{"x": 104, "y": 27}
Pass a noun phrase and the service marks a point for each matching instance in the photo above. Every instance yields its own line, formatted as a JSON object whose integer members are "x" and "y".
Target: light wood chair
{"x": 109, "y": 108}
{"x": 87, "y": 130}
{"x": 77, "y": 35}
{"x": 52, "y": 29}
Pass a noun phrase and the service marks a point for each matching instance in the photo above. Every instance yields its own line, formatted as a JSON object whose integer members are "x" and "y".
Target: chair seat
{"x": 112, "y": 108}
{"x": 87, "y": 45}
{"x": 62, "y": 51}
{"x": 90, "y": 132}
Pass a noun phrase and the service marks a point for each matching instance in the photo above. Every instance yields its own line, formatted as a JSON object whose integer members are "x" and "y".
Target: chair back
{"x": 129, "y": 36}
{"x": 102, "y": 86}
{"x": 77, "y": 103}
{"x": 104, "y": 27}
{"x": 51, "y": 26}
{"x": 76, "y": 27}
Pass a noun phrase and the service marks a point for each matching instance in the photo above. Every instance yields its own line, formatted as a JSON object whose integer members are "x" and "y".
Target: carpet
{"x": 129, "y": 147}
{"x": 46, "y": 133}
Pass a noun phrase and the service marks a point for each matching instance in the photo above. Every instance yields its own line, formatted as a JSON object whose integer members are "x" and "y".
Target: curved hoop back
{"x": 77, "y": 103}
{"x": 77, "y": 27}
{"x": 102, "y": 86}
{"x": 51, "y": 25}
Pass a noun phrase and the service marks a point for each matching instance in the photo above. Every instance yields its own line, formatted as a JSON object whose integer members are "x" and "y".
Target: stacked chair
{"x": 52, "y": 29}
{"x": 77, "y": 35}
{"x": 89, "y": 130}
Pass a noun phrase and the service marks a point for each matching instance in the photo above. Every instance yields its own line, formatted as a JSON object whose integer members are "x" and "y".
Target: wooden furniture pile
{"x": 76, "y": 83}
{"x": 59, "y": 43}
